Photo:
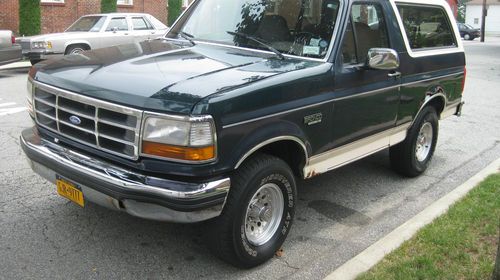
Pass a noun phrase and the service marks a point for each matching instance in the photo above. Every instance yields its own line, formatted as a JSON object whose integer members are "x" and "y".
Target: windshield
{"x": 87, "y": 24}
{"x": 296, "y": 27}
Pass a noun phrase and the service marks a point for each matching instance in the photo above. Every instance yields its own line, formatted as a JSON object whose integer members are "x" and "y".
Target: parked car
{"x": 93, "y": 32}
{"x": 468, "y": 32}
{"x": 219, "y": 120}
{"x": 9, "y": 50}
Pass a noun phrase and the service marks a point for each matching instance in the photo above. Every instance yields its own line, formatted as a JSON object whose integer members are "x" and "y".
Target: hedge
{"x": 108, "y": 6}
{"x": 29, "y": 17}
{"x": 174, "y": 10}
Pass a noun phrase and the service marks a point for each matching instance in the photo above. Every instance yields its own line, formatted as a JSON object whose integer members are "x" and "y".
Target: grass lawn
{"x": 461, "y": 244}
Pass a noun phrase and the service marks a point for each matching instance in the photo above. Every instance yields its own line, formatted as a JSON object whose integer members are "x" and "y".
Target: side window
{"x": 366, "y": 30}
{"x": 139, "y": 23}
{"x": 118, "y": 23}
{"x": 426, "y": 26}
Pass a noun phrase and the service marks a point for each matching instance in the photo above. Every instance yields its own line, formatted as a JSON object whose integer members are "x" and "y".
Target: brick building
{"x": 57, "y": 15}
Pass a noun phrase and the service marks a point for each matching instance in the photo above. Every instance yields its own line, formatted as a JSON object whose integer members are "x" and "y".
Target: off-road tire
{"x": 226, "y": 234}
{"x": 403, "y": 155}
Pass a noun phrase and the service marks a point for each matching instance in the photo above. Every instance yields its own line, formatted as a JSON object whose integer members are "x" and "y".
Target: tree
{"x": 108, "y": 6}
{"x": 29, "y": 17}
{"x": 174, "y": 10}
{"x": 461, "y": 10}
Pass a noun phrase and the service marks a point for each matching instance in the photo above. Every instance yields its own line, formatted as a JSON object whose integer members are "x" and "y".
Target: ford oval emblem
{"x": 75, "y": 120}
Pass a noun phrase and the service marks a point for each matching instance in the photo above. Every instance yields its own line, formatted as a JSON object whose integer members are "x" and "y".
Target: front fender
{"x": 257, "y": 136}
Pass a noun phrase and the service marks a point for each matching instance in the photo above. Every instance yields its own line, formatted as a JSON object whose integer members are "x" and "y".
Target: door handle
{"x": 394, "y": 74}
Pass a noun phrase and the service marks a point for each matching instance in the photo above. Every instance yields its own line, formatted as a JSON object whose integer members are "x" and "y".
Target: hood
{"x": 161, "y": 76}
{"x": 55, "y": 36}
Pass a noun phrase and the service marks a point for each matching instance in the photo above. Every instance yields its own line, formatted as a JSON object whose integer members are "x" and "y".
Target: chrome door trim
{"x": 309, "y": 106}
{"x": 433, "y": 78}
{"x": 277, "y": 114}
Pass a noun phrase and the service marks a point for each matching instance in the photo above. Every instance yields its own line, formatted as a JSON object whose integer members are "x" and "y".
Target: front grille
{"x": 103, "y": 125}
{"x": 25, "y": 45}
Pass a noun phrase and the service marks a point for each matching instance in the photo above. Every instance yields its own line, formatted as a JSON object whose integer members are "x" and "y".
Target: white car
{"x": 93, "y": 32}
{"x": 9, "y": 51}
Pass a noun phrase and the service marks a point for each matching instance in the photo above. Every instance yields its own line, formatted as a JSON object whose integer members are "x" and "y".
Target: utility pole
{"x": 483, "y": 21}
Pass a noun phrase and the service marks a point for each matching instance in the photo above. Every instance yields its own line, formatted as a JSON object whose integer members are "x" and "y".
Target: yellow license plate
{"x": 69, "y": 191}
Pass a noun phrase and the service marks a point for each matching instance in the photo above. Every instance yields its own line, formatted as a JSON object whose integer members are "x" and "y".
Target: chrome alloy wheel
{"x": 424, "y": 142}
{"x": 264, "y": 214}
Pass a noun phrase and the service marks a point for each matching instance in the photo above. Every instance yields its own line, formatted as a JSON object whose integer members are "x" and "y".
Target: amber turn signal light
{"x": 177, "y": 152}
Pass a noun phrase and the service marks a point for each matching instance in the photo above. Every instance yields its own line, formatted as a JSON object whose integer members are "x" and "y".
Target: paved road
{"x": 339, "y": 214}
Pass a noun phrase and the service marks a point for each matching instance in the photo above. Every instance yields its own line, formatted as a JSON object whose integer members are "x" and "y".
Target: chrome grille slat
{"x": 44, "y": 102}
{"x": 56, "y": 117}
{"x": 116, "y": 139}
{"x": 46, "y": 115}
{"x": 116, "y": 124}
{"x": 76, "y": 127}
{"x": 26, "y": 45}
{"x": 80, "y": 114}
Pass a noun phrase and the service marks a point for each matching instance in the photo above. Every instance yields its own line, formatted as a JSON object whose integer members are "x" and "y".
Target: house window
{"x": 476, "y": 20}
{"x": 125, "y": 2}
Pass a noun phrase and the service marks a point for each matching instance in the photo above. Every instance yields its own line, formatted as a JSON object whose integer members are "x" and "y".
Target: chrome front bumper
{"x": 119, "y": 189}
{"x": 41, "y": 54}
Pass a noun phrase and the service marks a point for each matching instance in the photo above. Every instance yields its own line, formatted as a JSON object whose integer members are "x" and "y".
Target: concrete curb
{"x": 377, "y": 251}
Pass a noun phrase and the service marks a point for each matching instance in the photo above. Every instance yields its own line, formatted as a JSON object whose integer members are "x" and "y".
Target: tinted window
{"x": 301, "y": 28}
{"x": 366, "y": 30}
{"x": 119, "y": 23}
{"x": 140, "y": 23}
{"x": 426, "y": 27}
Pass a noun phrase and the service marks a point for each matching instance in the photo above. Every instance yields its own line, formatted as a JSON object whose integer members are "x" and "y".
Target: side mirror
{"x": 114, "y": 29}
{"x": 382, "y": 59}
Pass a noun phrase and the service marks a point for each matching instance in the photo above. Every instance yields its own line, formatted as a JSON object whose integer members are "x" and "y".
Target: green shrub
{"x": 108, "y": 6}
{"x": 174, "y": 10}
{"x": 29, "y": 17}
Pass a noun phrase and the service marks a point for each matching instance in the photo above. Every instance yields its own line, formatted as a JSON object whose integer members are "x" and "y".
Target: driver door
{"x": 367, "y": 99}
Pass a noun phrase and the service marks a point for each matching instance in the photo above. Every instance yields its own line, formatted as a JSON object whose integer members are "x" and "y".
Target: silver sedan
{"x": 93, "y": 32}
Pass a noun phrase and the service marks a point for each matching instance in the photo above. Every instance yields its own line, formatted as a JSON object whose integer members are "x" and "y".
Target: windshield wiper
{"x": 187, "y": 37}
{"x": 257, "y": 40}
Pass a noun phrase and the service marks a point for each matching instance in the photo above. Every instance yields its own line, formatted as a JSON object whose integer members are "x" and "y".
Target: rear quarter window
{"x": 426, "y": 27}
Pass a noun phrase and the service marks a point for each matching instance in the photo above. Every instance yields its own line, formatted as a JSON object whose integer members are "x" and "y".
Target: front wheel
{"x": 76, "y": 49}
{"x": 412, "y": 156}
{"x": 258, "y": 213}
{"x": 467, "y": 37}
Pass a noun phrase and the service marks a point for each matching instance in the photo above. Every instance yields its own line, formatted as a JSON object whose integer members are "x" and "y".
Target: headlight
{"x": 179, "y": 138}
{"x": 40, "y": 45}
